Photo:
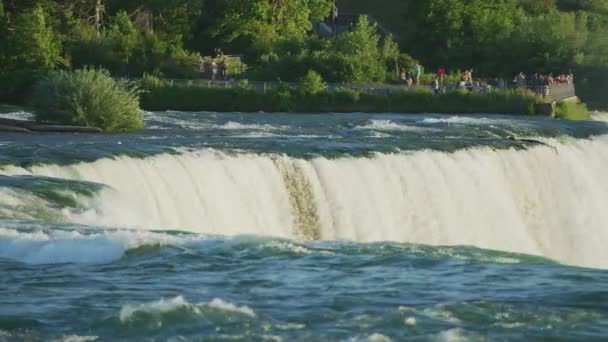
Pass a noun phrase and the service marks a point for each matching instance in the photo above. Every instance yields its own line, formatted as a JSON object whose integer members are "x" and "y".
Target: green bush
{"x": 150, "y": 81}
{"x": 87, "y": 97}
{"x": 312, "y": 83}
{"x": 571, "y": 110}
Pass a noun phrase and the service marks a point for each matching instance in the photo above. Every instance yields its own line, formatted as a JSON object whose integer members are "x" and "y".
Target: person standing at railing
{"x": 520, "y": 81}
{"x": 441, "y": 75}
{"x": 224, "y": 69}
{"x": 214, "y": 69}
{"x": 435, "y": 85}
{"x": 417, "y": 73}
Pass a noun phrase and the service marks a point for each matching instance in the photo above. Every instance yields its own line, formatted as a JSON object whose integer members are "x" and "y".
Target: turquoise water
{"x": 271, "y": 227}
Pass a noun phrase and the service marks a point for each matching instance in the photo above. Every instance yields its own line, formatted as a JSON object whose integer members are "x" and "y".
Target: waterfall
{"x": 548, "y": 200}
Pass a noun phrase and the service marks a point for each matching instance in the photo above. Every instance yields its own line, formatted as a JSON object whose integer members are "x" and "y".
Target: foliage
{"x": 312, "y": 83}
{"x": 124, "y": 50}
{"x": 276, "y": 38}
{"x": 285, "y": 99}
{"x": 265, "y": 22}
{"x": 571, "y": 110}
{"x": 87, "y": 97}
{"x": 152, "y": 81}
{"x": 353, "y": 57}
{"x": 28, "y": 48}
{"x": 592, "y": 84}
{"x": 359, "y": 48}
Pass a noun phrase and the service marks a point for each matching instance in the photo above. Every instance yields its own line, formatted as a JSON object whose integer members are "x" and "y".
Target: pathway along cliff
{"x": 458, "y": 194}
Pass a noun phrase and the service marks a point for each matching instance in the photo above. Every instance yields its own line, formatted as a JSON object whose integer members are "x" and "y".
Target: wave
{"x": 36, "y": 244}
{"x": 180, "y": 305}
{"x": 546, "y": 201}
{"x": 231, "y": 125}
{"x": 388, "y": 125}
{"x": 202, "y": 123}
{"x": 468, "y": 120}
{"x": 77, "y": 338}
{"x": 18, "y": 115}
{"x": 38, "y": 247}
{"x": 599, "y": 116}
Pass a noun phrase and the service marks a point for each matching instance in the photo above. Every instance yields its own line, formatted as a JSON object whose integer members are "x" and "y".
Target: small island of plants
{"x": 87, "y": 97}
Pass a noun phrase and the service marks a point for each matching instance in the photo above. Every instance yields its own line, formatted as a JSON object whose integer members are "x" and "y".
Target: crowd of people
{"x": 538, "y": 79}
{"x": 537, "y": 82}
{"x": 217, "y": 68}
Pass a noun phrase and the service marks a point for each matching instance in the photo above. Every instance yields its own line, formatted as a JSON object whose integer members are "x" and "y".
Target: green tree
{"x": 312, "y": 83}
{"x": 123, "y": 37}
{"x": 32, "y": 43}
{"x": 264, "y": 22}
{"x": 29, "y": 46}
{"x": 360, "y": 54}
{"x": 390, "y": 53}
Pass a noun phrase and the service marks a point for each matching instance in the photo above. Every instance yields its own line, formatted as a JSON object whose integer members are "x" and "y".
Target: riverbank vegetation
{"x": 311, "y": 97}
{"x": 87, "y": 97}
{"x": 281, "y": 41}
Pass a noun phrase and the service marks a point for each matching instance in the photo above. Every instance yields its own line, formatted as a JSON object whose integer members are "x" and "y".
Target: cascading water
{"x": 282, "y": 227}
{"x": 546, "y": 201}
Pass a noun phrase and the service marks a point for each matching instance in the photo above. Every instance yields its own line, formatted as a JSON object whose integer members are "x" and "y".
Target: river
{"x": 281, "y": 227}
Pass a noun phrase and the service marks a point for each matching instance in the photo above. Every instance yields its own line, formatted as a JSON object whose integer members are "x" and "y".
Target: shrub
{"x": 312, "y": 83}
{"x": 571, "y": 110}
{"x": 87, "y": 97}
{"x": 152, "y": 81}
{"x": 181, "y": 64}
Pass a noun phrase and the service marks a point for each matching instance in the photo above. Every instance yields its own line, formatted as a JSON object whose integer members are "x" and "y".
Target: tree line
{"x": 277, "y": 40}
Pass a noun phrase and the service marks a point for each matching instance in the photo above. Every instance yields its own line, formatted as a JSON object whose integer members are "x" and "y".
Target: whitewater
{"x": 287, "y": 226}
{"x": 544, "y": 201}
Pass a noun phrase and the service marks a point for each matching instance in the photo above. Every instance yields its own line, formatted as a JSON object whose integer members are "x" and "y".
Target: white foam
{"x": 76, "y": 338}
{"x": 388, "y": 125}
{"x": 288, "y": 247}
{"x": 257, "y": 135}
{"x": 56, "y": 247}
{"x": 379, "y": 135}
{"x": 377, "y": 337}
{"x": 166, "y": 118}
{"x": 452, "y": 335}
{"x": 410, "y": 321}
{"x": 18, "y": 115}
{"x": 290, "y": 326}
{"x": 547, "y": 201}
{"x": 467, "y": 120}
{"x": 159, "y": 307}
{"x": 199, "y": 123}
{"x": 219, "y": 304}
{"x": 599, "y": 116}
{"x": 164, "y": 306}
{"x": 439, "y": 312}
{"x": 231, "y": 125}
